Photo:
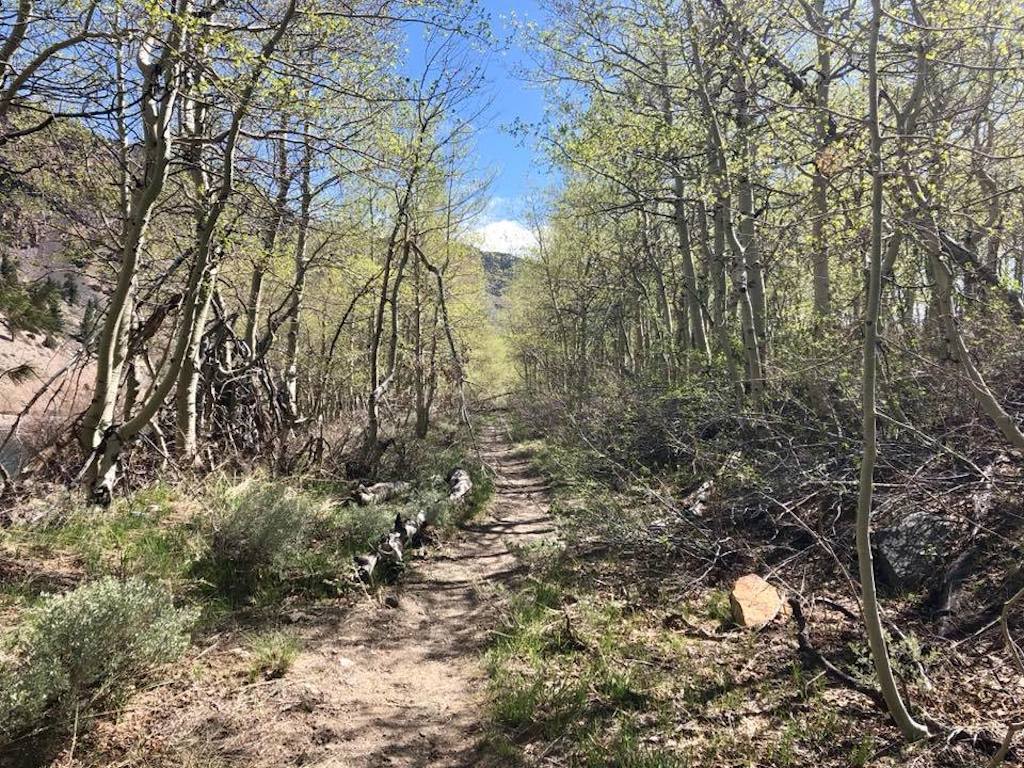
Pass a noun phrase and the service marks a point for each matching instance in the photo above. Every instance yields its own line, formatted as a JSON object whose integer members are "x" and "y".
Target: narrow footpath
{"x": 404, "y": 686}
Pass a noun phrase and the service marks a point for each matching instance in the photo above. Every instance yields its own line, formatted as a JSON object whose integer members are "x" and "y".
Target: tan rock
{"x": 754, "y": 601}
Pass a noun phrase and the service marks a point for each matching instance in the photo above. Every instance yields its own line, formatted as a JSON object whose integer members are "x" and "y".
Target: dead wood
{"x": 949, "y": 733}
{"x": 388, "y": 557}
{"x": 459, "y": 484}
{"x": 378, "y": 493}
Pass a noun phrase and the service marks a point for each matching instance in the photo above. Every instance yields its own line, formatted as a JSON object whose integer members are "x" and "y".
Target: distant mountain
{"x": 499, "y": 268}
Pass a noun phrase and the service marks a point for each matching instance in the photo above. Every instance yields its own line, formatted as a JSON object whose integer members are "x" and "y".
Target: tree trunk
{"x": 911, "y": 729}
{"x": 747, "y": 228}
{"x": 157, "y": 109}
{"x": 389, "y": 554}
{"x": 282, "y": 182}
{"x": 698, "y": 336}
{"x": 291, "y": 368}
{"x": 955, "y": 341}
{"x": 819, "y": 182}
{"x": 720, "y": 179}
{"x": 186, "y": 410}
{"x": 102, "y": 469}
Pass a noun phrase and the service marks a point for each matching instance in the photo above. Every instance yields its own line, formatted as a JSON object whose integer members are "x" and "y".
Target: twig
{"x": 1018, "y": 661}
{"x": 804, "y": 641}
{"x": 1004, "y": 749}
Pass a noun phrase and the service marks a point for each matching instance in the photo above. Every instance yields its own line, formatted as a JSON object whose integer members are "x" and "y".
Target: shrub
{"x": 255, "y": 527}
{"x": 86, "y": 646}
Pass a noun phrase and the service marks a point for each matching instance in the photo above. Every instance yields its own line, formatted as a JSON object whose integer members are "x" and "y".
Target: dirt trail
{"x": 404, "y": 686}
{"x": 372, "y": 686}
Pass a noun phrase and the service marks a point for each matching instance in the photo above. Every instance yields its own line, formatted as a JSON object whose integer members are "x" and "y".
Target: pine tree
{"x": 70, "y": 290}
{"x": 87, "y": 325}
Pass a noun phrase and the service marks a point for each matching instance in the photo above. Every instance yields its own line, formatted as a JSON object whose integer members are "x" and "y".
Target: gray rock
{"x": 913, "y": 551}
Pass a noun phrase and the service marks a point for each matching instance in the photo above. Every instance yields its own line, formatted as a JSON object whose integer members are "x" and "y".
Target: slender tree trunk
{"x": 721, "y": 181}
{"x": 911, "y": 729}
{"x": 102, "y": 470}
{"x": 747, "y": 227}
{"x": 692, "y": 305}
{"x": 194, "y": 126}
{"x": 819, "y": 183}
{"x": 388, "y": 296}
{"x": 691, "y": 294}
{"x": 157, "y": 110}
{"x": 291, "y": 369}
{"x": 282, "y": 183}
{"x": 186, "y": 395}
{"x": 955, "y": 341}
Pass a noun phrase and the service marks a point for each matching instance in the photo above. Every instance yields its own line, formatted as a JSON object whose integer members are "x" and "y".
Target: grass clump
{"x": 572, "y": 670}
{"x": 273, "y": 654}
{"x": 594, "y": 676}
{"x": 627, "y": 750}
{"x": 718, "y": 608}
{"x": 86, "y": 646}
{"x": 478, "y": 496}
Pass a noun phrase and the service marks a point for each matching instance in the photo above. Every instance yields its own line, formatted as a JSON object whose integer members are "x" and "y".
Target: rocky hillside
{"x": 498, "y": 268}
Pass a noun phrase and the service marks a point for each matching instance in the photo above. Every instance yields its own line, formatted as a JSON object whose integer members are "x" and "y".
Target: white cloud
{"x": 507, "y": 236}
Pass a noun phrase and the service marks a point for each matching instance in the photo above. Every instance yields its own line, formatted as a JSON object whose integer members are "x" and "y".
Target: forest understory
{"x": 218, "y": 621}
{"x": 624, "y": 649}
{"x": 614, "y": 642}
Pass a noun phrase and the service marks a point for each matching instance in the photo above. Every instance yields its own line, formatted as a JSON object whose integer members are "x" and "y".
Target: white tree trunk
{"x": 911, "y": 729}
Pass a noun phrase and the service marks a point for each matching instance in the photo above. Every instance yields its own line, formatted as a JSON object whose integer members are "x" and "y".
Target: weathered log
{"x": 380, "y": 492}
{"x": 388, "y": 556}
{"x": 388, "y": 553}
{"x": 459, "y": 484}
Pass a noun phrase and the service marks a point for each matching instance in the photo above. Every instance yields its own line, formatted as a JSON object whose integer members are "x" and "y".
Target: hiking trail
{"x": 405, "y": 686}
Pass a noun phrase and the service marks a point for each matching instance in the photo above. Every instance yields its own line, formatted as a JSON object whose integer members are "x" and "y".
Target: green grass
{"x": 229, "y": 554}
{"x": 584, "y": 670}
{"x": 131, "y": 538}
{"x": 212, "y": 544}
{"x": 170, "y": 535}
{"x": 717, "y": 607}
{"x": 573, "y": 671}
{"x": 602, "y": 683}
{"x": 273, "y": 654}
{"x": 861, "y": 754}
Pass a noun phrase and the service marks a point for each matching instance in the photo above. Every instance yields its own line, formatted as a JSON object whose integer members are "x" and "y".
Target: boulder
{"x": 914, "y": 550}
{"x": 754, "y": 601}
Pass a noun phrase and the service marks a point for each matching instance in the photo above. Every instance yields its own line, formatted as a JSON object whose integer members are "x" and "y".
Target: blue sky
{"x": 519, "y": 170}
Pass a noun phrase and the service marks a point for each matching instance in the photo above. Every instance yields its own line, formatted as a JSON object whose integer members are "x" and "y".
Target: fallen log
{"x": 378, "y": 493}
{"x": 388, "y": 557}
{"x": 388, "y": 553}
{"x": 459, "y": 484}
